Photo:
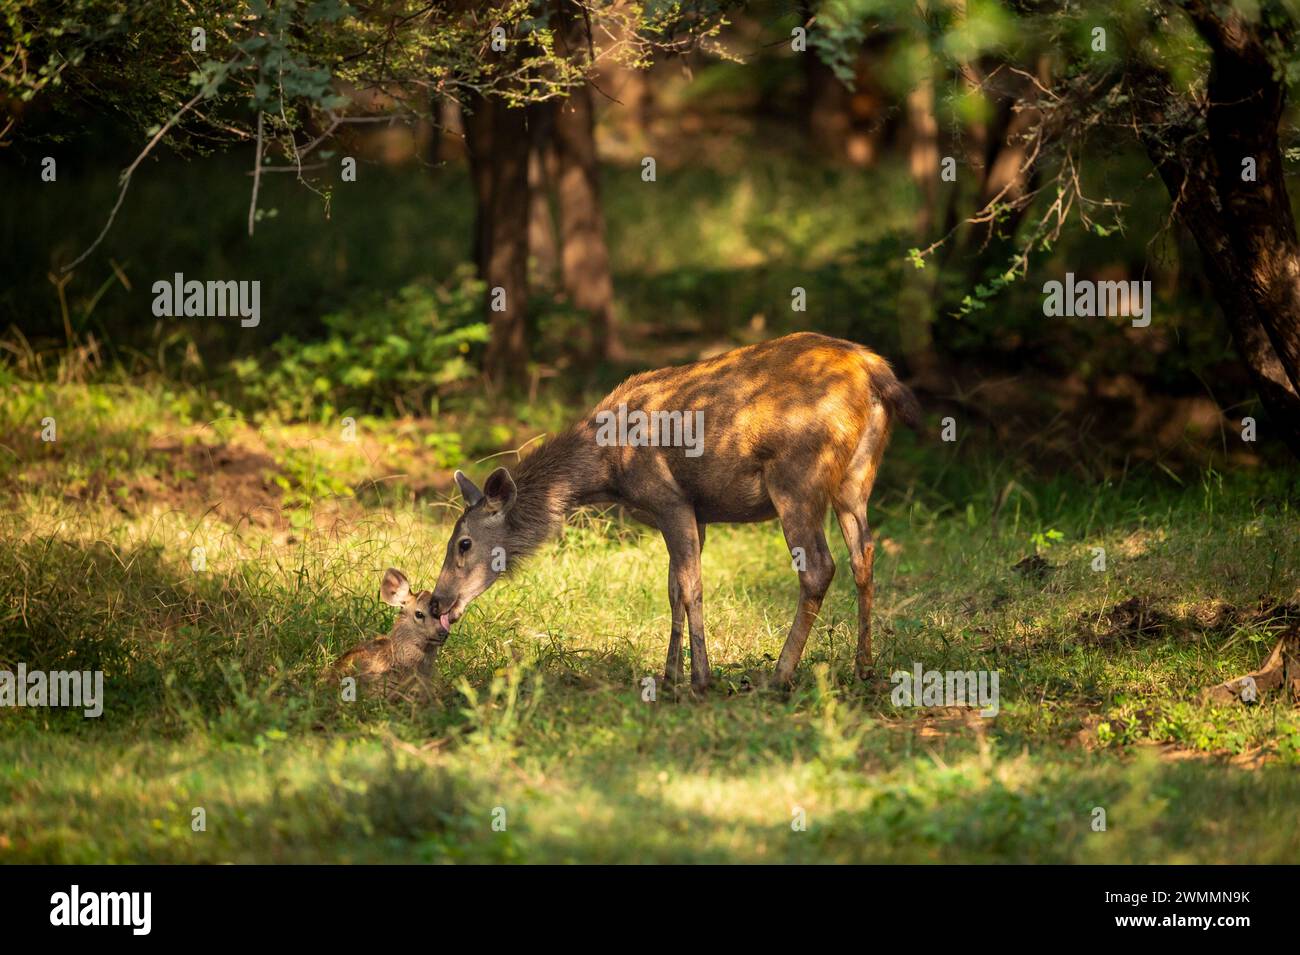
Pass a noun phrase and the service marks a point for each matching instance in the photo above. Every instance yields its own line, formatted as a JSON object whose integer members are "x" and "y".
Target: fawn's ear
{"x": 395, "y": 588}
{"x": 500, "y": 491}
{"x": 468, "y": 489}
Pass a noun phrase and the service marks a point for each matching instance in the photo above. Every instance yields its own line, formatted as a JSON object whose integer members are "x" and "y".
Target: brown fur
{"x": 407, "y": 652}
{"x": 790, "y": 427}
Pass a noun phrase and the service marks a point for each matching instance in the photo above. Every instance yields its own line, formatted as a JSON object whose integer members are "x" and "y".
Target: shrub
{"x": 378, "y": 356}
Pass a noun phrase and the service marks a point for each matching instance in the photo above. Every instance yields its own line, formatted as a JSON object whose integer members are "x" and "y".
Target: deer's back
{"x": 791, "y": 409}
{"x": 381, "y": 656}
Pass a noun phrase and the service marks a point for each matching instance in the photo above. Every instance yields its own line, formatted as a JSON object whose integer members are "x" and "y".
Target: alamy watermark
{"x": 75, "y": 907}
{"x": 923, "y": 687}
{"x": 194, "y": 299}
{"x": 1085, "y": 298}
{"x": 72, "y": 688}
{"x": 654, "y": 429}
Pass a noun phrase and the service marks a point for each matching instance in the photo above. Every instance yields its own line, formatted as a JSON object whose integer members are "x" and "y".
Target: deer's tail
{"x": 898, "y": 399}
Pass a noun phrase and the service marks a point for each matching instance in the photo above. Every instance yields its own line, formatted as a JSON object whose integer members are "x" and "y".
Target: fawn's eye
{"x": 465, "y": 544}
{"x": 419, "y": 615}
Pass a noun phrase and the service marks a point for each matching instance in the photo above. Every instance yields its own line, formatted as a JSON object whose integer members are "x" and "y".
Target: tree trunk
{"x": 476, "y": 120}
{"x": 917, "y": 300}
{"x": 1005, "y": 180}
{"x": 1004, "y": 150}
{"x": 437, "y": 110}
{"x": 584, "y": 256}
{"x": 1246, "y": 98}
{"x": 543, "y": 248}
{"x": 825, "y": 107}
{"x": 1245, "y": 230}
{"x": 497, "y": 138}
{"x": 1198, "y": 209}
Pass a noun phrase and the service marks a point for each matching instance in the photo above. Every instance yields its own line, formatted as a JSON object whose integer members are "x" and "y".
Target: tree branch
{"x": 126, "y": 180}
{"x": 257, "y": 175}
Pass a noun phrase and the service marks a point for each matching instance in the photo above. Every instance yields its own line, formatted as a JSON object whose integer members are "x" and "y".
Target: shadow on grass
{"x": 369, "y": 804}
{"x": 169, "y": 640}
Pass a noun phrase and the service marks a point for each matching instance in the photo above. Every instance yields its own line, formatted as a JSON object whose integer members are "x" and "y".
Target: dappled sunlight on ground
{"x": 215, "y": 630}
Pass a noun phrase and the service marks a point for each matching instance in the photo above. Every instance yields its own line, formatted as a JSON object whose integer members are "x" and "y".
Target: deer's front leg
{"x": 686, "y": 595}
{"x": 673, "y": 667}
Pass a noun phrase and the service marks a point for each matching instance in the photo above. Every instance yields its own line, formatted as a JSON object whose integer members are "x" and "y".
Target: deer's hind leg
{"x": 850, "y": 503}
{"x": 802, "y": 517}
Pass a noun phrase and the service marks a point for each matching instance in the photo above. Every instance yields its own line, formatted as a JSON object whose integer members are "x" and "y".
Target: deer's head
{"x": 416, "y": 629}
{"x": 479, "y": 546}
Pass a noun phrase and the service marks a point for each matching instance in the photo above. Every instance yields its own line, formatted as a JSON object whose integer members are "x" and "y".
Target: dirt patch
{"x": 943, "y": 723}
{"x": 1140, "y": 619}
{"x": 232, "y": 478}
{"x": 1266, "y": 611}
{"x": 1252, "y": 758}
{"x": 952, "y": 719}
{"x": 1136, "y": 620}
{"x": 236, "y": 479}
{"x": 1034, "y": 568}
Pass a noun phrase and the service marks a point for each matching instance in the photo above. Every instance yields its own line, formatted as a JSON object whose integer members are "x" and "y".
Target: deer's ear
{"x": 500, "y": 491}
{"x": 395, "y": 588}
{"x": 468, "y": 489}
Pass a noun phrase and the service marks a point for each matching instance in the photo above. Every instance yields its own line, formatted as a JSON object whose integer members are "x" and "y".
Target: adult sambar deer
{"x": 779, "y": 429}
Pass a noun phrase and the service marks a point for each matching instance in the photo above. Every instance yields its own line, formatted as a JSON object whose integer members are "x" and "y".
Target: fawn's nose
{"x": 441, "y": 609}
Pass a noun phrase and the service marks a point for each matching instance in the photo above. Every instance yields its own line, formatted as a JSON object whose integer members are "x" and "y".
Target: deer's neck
{"x": 562, "y": 475}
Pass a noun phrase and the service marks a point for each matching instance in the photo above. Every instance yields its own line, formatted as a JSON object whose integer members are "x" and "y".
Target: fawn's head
{"x": 417, "y": 621}
{"x": 476, "y": 552}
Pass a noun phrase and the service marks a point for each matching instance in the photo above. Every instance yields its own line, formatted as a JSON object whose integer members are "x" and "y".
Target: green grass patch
{"x": 536, "y": 720}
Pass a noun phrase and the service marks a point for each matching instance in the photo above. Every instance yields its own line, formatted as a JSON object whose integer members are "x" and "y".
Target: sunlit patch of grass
{"x": 215, "y": 697}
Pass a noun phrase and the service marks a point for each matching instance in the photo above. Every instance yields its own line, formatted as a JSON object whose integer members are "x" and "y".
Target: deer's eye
{"x": 465, "y": 544}
{"x": 419, "y": 615}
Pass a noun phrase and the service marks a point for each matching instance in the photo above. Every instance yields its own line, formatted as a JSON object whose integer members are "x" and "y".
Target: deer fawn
{"x": 792, "y": 425}
{"x": 409, "y": 648}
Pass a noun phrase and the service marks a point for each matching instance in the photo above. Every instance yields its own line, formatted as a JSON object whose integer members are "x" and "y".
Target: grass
{"x": 536, "y": 744}
{"x": 213, "y": 561}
